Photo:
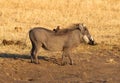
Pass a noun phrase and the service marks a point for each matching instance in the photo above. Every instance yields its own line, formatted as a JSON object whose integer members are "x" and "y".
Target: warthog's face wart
{"x": 86, "y": 35}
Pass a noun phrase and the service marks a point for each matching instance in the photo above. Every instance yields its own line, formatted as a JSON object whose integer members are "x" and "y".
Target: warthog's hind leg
{"x": 34, "y": 53}
{"x": 36, "y": 56}
{"x": 32, "y": 58}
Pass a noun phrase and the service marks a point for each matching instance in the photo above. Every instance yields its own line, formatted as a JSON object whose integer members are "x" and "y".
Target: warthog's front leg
{"x": 64, "y": 62}
{"x": 71, "y": 62}
{"x": 66, "y": 53}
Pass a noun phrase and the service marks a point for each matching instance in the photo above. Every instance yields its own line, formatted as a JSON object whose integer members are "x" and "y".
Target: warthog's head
{"x": 86, "y": 35}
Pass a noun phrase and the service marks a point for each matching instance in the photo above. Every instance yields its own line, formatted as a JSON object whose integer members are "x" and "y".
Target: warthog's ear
{"x": 81, "y": 26}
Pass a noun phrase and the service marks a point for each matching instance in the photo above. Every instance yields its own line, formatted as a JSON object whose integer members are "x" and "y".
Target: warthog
{"x": 62, "y": 40}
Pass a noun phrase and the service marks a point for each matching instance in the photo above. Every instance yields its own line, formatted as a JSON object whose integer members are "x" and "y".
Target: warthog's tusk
{"x": 92, "y": 38}
{"x": 86, "y": 39}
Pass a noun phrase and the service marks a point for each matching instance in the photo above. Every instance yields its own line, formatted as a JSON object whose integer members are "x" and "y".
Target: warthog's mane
{"x": 67, "y": 29}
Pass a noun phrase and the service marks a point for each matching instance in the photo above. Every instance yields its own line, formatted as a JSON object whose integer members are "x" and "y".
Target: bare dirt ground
{"x": 93, "y": 66}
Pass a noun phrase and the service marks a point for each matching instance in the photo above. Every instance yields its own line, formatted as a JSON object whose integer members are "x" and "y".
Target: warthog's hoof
{"x": 71, "y": 63}
{"x": 37, "y": 62}
{"x": 31, "y": 61}
{"x": 63, "y": 63}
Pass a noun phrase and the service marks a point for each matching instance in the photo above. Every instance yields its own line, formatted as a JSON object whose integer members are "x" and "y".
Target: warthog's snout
{"x": 91, "y": 42}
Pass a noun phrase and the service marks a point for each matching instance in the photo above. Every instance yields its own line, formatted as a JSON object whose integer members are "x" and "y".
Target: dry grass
{"x": 101, "y": 17}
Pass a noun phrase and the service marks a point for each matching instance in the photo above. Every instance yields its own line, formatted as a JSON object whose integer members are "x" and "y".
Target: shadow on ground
{"x": 18, "y": 56}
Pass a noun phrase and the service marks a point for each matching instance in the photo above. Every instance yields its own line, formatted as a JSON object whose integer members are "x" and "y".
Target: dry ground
{"x": 93, "y": 64}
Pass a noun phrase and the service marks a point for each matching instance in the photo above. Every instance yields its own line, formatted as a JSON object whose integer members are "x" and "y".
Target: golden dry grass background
{"x": 102, "y": 17}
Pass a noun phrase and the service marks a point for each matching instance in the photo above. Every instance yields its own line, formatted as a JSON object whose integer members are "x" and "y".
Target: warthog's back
{"x": 39, "y": 34}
